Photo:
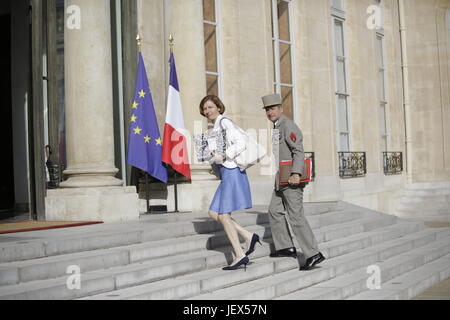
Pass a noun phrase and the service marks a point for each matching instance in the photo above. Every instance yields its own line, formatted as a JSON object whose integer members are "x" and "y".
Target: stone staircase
{"x": 428, "y": 201}
{"x": 179, "y": 256}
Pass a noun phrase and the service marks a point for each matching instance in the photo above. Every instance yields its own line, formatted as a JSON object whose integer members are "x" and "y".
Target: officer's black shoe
{"x": 288, "y": 252}
{"x": 312, "y": 261}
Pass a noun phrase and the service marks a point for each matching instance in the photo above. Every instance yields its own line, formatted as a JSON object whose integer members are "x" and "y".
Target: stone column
{"x": 89, "y": 99}
{"x": 91, "y": 191}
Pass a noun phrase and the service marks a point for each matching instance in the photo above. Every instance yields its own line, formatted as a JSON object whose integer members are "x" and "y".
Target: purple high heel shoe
{"x": 255, "y": 239}
{"x": 243, "y": 261}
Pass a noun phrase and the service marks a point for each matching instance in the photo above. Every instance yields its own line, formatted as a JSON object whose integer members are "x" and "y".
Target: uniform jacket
{"x": 287, "y": 143}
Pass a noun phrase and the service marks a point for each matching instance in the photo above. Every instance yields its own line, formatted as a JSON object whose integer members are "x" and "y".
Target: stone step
{"x": 55, "y": 266}
{"x": 149, "y": 228}
{"x": 366, "y": 239}
{"x": 155, "y": 269}
{"x": 210, "y": 280}
{"x": 425, "y": 205}
{"x": 106, "y": 236}
{"x": 411, "y": 284}
{"x": 355, "y": 282}
{"x": 425, "y": 202}
{"x": 429, "y": 215}
{"x": 426, "y": 193}
{"x": 428, "y": 185}
{"x": 281, "y": 284}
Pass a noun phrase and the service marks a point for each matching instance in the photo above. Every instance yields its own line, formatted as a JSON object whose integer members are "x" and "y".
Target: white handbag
{"x": 253, "y": 152}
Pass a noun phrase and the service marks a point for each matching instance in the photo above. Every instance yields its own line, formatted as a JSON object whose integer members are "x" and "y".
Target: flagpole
{"x": 175, "y": 184}
{"x": 147, "y": 191}
{"x": 139, "y": 42}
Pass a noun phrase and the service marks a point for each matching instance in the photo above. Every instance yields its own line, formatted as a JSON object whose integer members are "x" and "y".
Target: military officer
{"x": 288, "y": 145}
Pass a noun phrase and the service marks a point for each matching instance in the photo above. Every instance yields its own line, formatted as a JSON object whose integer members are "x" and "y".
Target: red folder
{"x": 286, "y": 169}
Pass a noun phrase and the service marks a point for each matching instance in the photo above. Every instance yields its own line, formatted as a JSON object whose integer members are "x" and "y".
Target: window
{"x": 283, "y": 55}
{"x": 211, "y": 38}
{"x": 380, "y": 24}
{"x": 382, "y": 92}
{"x": 381, "y": 81}
{"x": 340, "y": 66}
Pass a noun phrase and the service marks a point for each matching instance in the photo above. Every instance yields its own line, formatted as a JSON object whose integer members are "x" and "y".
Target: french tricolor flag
{"x": 175, "y": 152}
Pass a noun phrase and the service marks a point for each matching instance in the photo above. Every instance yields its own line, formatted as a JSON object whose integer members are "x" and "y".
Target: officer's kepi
{"x": 271, "y": 100}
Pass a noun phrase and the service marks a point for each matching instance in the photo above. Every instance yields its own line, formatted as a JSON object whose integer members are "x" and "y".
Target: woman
{"x": 233, "y": 192}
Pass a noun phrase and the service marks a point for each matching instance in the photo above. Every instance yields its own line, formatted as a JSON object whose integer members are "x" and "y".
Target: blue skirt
{"x": 233, "y": 192}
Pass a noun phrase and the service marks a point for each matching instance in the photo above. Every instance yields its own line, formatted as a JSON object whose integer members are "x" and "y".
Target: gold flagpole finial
{"x": 139, "y": 41}
{"x": 171, "y": 42}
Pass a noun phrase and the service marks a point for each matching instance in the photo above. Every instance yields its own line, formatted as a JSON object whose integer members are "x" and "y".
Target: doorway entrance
{"x": 22, "y": 126}
{"x": 7, "y": 199}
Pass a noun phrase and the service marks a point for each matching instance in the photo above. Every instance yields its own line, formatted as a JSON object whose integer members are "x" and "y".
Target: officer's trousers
{"x": 289, "y": 201}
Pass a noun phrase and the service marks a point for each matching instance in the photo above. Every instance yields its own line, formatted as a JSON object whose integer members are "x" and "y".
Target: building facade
{"x": 367, "y": 81}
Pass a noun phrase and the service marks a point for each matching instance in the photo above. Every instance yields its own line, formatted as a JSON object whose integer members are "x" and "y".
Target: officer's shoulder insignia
{"x": 293, "y": 137}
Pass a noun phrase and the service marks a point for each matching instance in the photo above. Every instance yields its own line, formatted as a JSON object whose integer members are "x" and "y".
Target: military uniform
{"x": 288, "y": 145}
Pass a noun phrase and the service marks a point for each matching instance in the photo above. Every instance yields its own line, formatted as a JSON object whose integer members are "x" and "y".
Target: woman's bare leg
{"x": 246, "y": 235}
{"x": 232, "y": 234}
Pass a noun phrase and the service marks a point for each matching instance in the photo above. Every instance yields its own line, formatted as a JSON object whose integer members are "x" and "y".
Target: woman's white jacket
{"x": 235, "y": 140}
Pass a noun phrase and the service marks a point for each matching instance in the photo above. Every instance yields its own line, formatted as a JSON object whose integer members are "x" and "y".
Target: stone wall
{"x": 247, "y": 74}
{"x": 428, "y": 54}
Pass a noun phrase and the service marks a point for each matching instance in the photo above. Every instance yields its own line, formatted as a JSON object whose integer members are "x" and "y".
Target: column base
{"x": 107, "y": 204}
{"x": 89, "y": 180}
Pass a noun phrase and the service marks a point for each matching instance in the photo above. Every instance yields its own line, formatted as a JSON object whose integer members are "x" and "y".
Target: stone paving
{"x": 441, "y": 291}
{"x": 338, "y": 228}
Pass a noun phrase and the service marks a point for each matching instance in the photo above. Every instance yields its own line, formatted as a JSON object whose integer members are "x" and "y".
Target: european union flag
{"x": 145, "y": 143}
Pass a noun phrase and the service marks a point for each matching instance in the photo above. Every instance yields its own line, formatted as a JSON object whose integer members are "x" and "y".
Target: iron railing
{"x": 392, "y": 163}
{"x": 352, "y": 164}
